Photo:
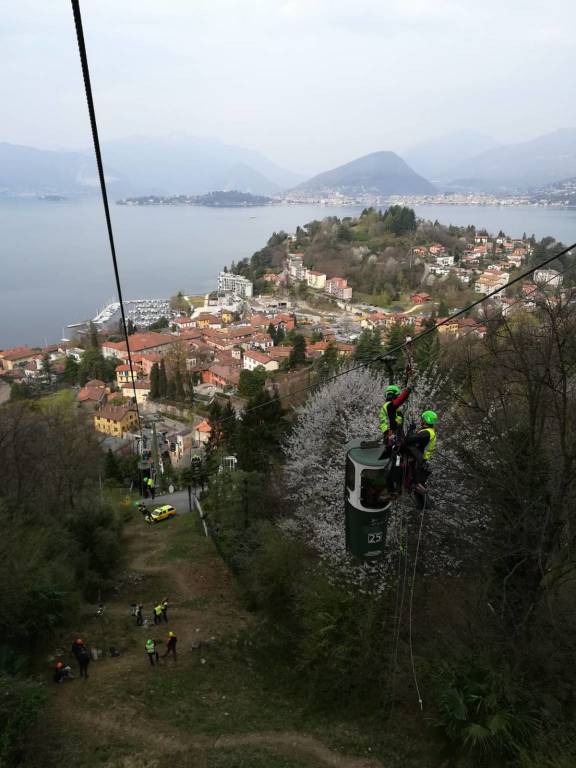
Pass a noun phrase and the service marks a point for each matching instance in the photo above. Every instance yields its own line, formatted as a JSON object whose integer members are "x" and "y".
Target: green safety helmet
{"x": 392, "y": 389}
{"x": 429, "y": 417}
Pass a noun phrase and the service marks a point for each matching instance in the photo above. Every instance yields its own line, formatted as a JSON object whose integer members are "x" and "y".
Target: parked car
{"x": 160, "y": 513}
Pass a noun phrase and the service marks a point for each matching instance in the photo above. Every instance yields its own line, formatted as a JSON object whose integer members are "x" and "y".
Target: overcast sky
{"x": 310, "y": 83}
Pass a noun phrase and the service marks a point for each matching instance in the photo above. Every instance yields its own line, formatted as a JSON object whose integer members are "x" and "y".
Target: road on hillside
{"x": 178, "y": 499}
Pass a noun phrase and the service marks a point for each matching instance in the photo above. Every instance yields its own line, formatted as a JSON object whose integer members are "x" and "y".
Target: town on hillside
{"x": 300, "y": 326}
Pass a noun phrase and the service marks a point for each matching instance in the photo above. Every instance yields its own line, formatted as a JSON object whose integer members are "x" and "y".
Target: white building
{"x": 445, "y": 260}
{"x": 338, "y": 286}
{"x": 491, "y": 281}
{"x": 296, "y": 268}
{"x": 550, "y": 277}
{"x": 316, "y": 279}
{"x": 253, "y": 359}
{"x": 236, "y": 284}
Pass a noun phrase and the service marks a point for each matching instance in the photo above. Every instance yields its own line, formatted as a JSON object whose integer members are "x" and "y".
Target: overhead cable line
{"x": 519, "y": 300}
{"x": 96, "y": 140}
{"x": 416, "y": 338}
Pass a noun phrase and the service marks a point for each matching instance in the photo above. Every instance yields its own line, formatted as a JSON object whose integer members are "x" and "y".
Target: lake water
{"x": 55, "y": 264}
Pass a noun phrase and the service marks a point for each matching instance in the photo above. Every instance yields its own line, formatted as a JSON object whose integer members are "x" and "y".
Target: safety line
{"x": 420, "y": 702}
{"x": 96, "y": 141}
{"x": 519, "y": 300}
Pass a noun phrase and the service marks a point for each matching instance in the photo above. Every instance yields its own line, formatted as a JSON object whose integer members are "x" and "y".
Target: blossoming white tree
{"x": 348, "y": 408}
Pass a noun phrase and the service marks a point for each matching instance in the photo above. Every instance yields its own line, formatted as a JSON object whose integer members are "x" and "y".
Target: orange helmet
{"x": 79, "y": 641}
{"x": 59, "y": 665}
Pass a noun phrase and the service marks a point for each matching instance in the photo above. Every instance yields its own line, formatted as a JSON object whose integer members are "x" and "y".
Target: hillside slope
{"x": 383, "y": 173}
{"x": 540, "y": 161}
{"x": 435, "y": 159}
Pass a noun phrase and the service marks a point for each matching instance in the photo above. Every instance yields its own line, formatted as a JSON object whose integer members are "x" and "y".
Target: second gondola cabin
{"x": 367, "y": 499}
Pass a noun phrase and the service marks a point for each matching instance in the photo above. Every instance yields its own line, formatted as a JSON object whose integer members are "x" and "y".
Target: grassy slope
{"x": 213, "y": 708}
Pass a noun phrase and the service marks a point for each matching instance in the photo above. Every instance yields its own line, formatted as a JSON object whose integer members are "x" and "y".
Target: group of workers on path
{"x": 160, "y": 615}
{"x": 151, "y": 647}
{"x": 81, "y": 653}
{"x": 418, "y": 443}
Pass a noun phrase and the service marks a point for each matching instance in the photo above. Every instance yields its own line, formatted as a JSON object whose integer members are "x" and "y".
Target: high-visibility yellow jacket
{"x": 431, "y": 447}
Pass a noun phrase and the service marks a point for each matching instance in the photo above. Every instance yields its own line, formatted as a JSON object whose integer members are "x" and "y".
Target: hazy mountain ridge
{"x": 26, "y": 169}
{"x": 383, "y": 173}
{"x": 540, "y": 161}
{"x": 139, "y": 165}
{"x": 434, "y": 159}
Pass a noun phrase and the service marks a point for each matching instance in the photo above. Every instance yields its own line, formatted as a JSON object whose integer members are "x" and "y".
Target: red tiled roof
{"x": 90, "y": 393}
{"x": 17, "y": 353}
{"x": 138, "y": 384}
{"x": 279, "y": 353}
{"x": 260, "y": 357}
{"x": 139, "y": 342}
{"x": 114, "y": 412}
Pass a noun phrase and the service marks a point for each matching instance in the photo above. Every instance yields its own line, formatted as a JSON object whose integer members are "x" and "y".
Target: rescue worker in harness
{"x": 391, "y": 418}
{"x": 420, "y": 444}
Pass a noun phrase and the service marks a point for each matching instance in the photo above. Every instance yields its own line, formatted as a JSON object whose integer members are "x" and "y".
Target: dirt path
{"x": 203, "y": 605}
{"x": 172, "y": 742}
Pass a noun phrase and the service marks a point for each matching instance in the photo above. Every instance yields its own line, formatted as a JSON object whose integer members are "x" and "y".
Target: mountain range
{"x": 436, "y": 158}
{"x": 533, "y": 163}
{"x": 140, "y": 165}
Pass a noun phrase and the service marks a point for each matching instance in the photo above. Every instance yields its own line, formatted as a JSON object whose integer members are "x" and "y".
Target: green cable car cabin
{"x": 367, "y": 499}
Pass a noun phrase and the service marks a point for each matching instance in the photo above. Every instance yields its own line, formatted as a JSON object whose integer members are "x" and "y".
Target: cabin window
{"x": 350, "y": 474}
{"x": 373, "y": 489}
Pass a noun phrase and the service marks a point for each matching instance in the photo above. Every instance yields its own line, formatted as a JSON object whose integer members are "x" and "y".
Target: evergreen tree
{"x": 170, "y": 389}
{"x": 298, "y": 351}
{"x": 47, "y": 366}
{"x": 93, "y": 341}
{"x": 272, "y": 333}
{"x": 426, "y": 351}
{"x": 131, "y": 328}
{"x": 155, "y": 382}
{"x": 397, "y": 336}
{"x": 443, "y": 309}
{"x": 94, "y": 366}
{"x": 328, "y": 363}
{"x": 362, "y": 349}
{"x": 188, "y": 388}
{"x": 178, "y": 385}
{"x": 251, "y": 382}
{"x": 280, "y": 335}
{"x": 214, "y": 419}
{"x": 163, "y": 380}
{"x": 229, "y": 427}
{"x": 260, "y": 433}
{"x": 369, "y": 346}
{"x": 111, "y": 467}
{"x": 70, "y": 371}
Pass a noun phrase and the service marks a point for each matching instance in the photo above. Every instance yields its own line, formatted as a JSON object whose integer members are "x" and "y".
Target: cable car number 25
{"x": 374, "y": 538}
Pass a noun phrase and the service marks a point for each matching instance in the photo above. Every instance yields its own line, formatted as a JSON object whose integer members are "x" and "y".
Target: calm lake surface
{"x": 55, "y": 264}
